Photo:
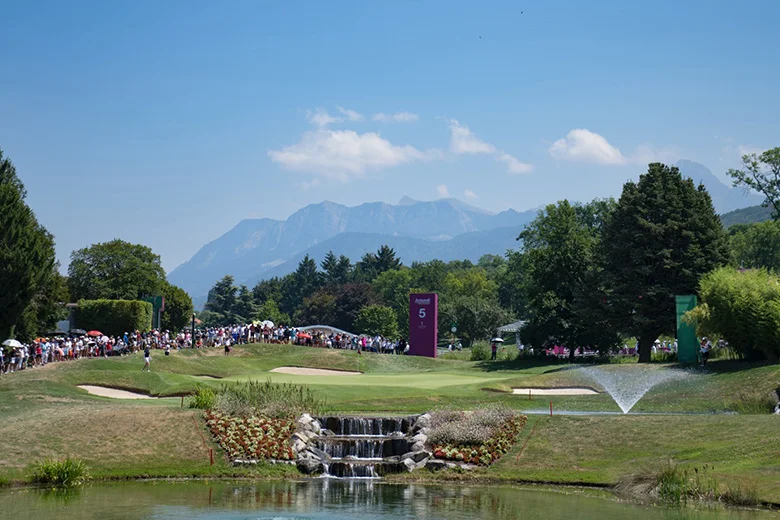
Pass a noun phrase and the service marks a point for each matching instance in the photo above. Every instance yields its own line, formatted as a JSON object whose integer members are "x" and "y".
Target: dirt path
{"x": 299, "y": 371}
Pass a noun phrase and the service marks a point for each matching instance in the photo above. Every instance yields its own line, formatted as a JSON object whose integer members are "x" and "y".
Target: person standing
{"x": 147, "y": 359}
{"x": 493, "y": 351}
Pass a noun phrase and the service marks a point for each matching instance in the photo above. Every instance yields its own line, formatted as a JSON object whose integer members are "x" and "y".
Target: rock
{"x": 423, "y": 421}
{"x": 410, "y": 464}
{"x": 316, "y": 427}
{"x": 418, "y": 446}
{"x": 327, "y": 433}
{"x": 415, "y": 456}
{"x": 309, "y": 466}
{"x": 425, "y": 431}
{"x": 421, "y": 464}
{"x": 394, "y": 458}
{"x": 305, "y": 418}
{"x": 299, "y": 436}
{"x": 420, "y": 438}
{"x": 435, "y": 465}
{"x": 318, "y": 453}
{"x": 298, "y": 446}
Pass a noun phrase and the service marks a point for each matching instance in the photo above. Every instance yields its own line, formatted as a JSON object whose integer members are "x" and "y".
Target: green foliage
{"x": 114, "y": 317}
{"x": 178, "y": 307}
{"x": 26, "y": 250}
{"x": 302, "y": 283}
{"x": 561, "y": 274}
{"x": 377, "y": 319}
{"x": 677, "y": 485}
{"x": 204, "y": 398}
{"x": 745, "y": 216}
{"x": 336, "y": 270}
{"x": 222, "y": 302}
{"x": 661, "y": 238}
{"x": 278, "y": 400}
{"x": 761, "y": 173}
{"x": 743, "y": 308}
{"x": 372, "y": 265}
{"x": 476, "y": 318}
{"x": 67, "y": 472}
{"x": 319, "y": 308}
{"x": 269, "y": 310}
{"x": 245, "y": 308}
{"x": 46, "y": 308}
{"x": 480, "y": 351}
{"x": 757, "y": 245}
{"x": 115, "y": 270}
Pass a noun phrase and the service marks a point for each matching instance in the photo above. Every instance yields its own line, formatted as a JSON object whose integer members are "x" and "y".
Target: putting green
{"x": 430, "y": 381}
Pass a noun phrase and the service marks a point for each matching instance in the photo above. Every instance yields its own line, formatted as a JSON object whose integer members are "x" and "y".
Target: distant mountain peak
{"x": 724, "y": 197}
{"x": 407, "y": 201}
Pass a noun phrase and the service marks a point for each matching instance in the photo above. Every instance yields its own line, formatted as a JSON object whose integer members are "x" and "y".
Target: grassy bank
{"x": 45, "y": 415}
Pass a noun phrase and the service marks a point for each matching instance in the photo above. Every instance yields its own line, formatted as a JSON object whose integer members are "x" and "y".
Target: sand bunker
{"x": 555, "y": 391}
{"x": 102, "y": 391}
{"x": 300, "y": 371}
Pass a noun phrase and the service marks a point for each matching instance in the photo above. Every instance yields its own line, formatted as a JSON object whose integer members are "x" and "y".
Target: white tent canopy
{"x": 324, "y": 328}
{"x": 512, "y": 327}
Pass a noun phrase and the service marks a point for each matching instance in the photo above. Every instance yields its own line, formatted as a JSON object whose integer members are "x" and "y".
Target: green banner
{"x": 687, "y": 343}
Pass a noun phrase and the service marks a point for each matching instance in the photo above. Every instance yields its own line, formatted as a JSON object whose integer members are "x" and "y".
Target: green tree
{"x": 761, "y": 173}
{"x": 46, "y": 308}
{"x": 477, "y": 318}
{"x": 377, "y": 320}
{"x": 392, "y": 288}
{"x": 429, "y": 276}
{"x": 372, "y": 265}
{"x": 317, "y": 309}
{"x": 661, "y": 238}
{"x": 244, "y": 309}
{"x": 222, "y": 301}
{"x": 300, "y": 284}
{"x": 269, "y": 310}
{"x": 178, "y": 308}
{"x": 350, "y": 298}
{"x": 469, "y": 282}
{"x": 26, "y": 250}
{"x": 560, "y": 265}
{"x": 265, "y": 290}
{"x": 756, "y": 245}
{"x": 115, "y": 270}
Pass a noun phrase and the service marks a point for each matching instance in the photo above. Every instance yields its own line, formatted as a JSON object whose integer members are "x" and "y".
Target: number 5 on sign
{"x": 422, "y": 312}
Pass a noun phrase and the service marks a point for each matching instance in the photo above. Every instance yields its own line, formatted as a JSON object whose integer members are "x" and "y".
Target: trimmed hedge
{"x": 114, "y": 317}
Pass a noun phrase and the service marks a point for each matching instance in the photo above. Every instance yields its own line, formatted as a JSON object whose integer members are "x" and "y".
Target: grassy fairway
{"x": 43, "y": 414}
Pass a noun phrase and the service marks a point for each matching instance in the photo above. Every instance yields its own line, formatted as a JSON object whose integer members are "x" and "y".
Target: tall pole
{"x": 192, "y": 341}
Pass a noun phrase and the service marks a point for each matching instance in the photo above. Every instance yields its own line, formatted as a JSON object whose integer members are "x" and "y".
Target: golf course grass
{"x": 43, "y": 414}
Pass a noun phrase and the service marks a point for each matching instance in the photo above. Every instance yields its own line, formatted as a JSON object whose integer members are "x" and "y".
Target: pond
{"x": 328, "y": 499}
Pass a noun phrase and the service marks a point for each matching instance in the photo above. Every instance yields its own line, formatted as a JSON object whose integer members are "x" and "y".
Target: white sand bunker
{"x": 300, "y": 371}
{"x": 573, "y": 390}
{"x": 102, "y": 391}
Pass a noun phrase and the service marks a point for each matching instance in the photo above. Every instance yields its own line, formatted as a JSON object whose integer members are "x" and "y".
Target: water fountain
{"x": 627, "y": 385}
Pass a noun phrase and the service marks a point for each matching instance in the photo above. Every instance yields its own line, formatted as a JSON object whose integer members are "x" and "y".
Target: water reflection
{"x": 326, "y": 499}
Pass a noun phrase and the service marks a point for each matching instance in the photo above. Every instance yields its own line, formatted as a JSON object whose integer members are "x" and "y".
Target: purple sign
{"x": 423, "y": 324}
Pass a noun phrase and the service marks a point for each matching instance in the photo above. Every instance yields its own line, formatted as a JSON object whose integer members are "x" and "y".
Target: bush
{"x": 66, "y": 473}
{"x": 480, "y": 351}
{"x": 204, "y": 398}
{"x": 277, "y": 400}
{"x": 744, "y": 308}
{"x": 114, "y": 317}
{"x": 749, "y": 404}
{"x": 448, "y": 427}
{"x": 377, "y": 320}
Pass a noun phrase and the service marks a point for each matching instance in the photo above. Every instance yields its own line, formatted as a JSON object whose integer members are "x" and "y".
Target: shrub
{"x": 279, "y": 400}
{"x": 66, "y": 472}
{"x": 114, "y": 317}
{"x": 749, "y": 404}
{"x": 672, "y": 484}
{"x": 204, "y": 398}
{"x": 480, "y": 351}
{"x": 252, "y": 437}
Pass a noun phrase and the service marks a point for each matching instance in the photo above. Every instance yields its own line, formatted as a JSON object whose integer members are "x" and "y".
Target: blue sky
{"x": 166, "y": 123}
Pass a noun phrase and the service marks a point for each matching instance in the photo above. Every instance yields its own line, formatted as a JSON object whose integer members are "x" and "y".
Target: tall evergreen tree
{"x": 26, "y": 250}
{"x": 222, "y": 300}
{"x": 300, "y": 284}
{"x": 661, "y": 238}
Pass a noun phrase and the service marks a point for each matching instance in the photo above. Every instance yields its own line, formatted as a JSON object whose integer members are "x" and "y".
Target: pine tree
{"x": 662, "y": 237}
{"x": 26, "y": 250}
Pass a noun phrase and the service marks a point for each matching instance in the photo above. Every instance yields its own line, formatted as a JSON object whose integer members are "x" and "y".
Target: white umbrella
{"x": 12, "y": 343}
{"x": 267, "y": 323}
{"x": 496, "y": 340}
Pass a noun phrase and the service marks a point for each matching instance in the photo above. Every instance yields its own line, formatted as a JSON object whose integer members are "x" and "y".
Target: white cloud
{"x": 442, "y": 191}
{"x": 470, "y": 195}
{"x": 512, "y": 164}
{"x": 321, "y": 117}
{"x": 464, "y": 141}
{"x": 343, "y": 154}
{"x": 400, "y": 117}
{"x": 746, "y": 149}
{"x": 582, "y": 145}
{"x": 351, "y": 115}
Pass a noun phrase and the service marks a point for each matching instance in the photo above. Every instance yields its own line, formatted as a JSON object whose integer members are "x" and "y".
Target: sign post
{"x": 687, "y": 344}
{"x": 423, "y": 324}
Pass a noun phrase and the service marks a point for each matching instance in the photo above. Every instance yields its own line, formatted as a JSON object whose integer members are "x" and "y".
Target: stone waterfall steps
{"x": 360, "y": 447}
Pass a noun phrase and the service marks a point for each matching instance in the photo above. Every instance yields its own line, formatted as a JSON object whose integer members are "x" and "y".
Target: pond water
{"x": 327, "y": 499}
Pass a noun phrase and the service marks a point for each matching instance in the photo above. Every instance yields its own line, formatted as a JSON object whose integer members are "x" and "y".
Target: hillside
{"x": 749, "y": 215}
{"x": 724, "y": 197}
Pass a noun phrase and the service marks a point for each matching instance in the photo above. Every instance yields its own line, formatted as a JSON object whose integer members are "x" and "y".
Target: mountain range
{"x": 446, "y": 229}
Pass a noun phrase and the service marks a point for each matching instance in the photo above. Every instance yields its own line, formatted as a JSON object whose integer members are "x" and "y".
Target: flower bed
{"x": 488, "y": 451}
{"x": 253, "y": 437}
